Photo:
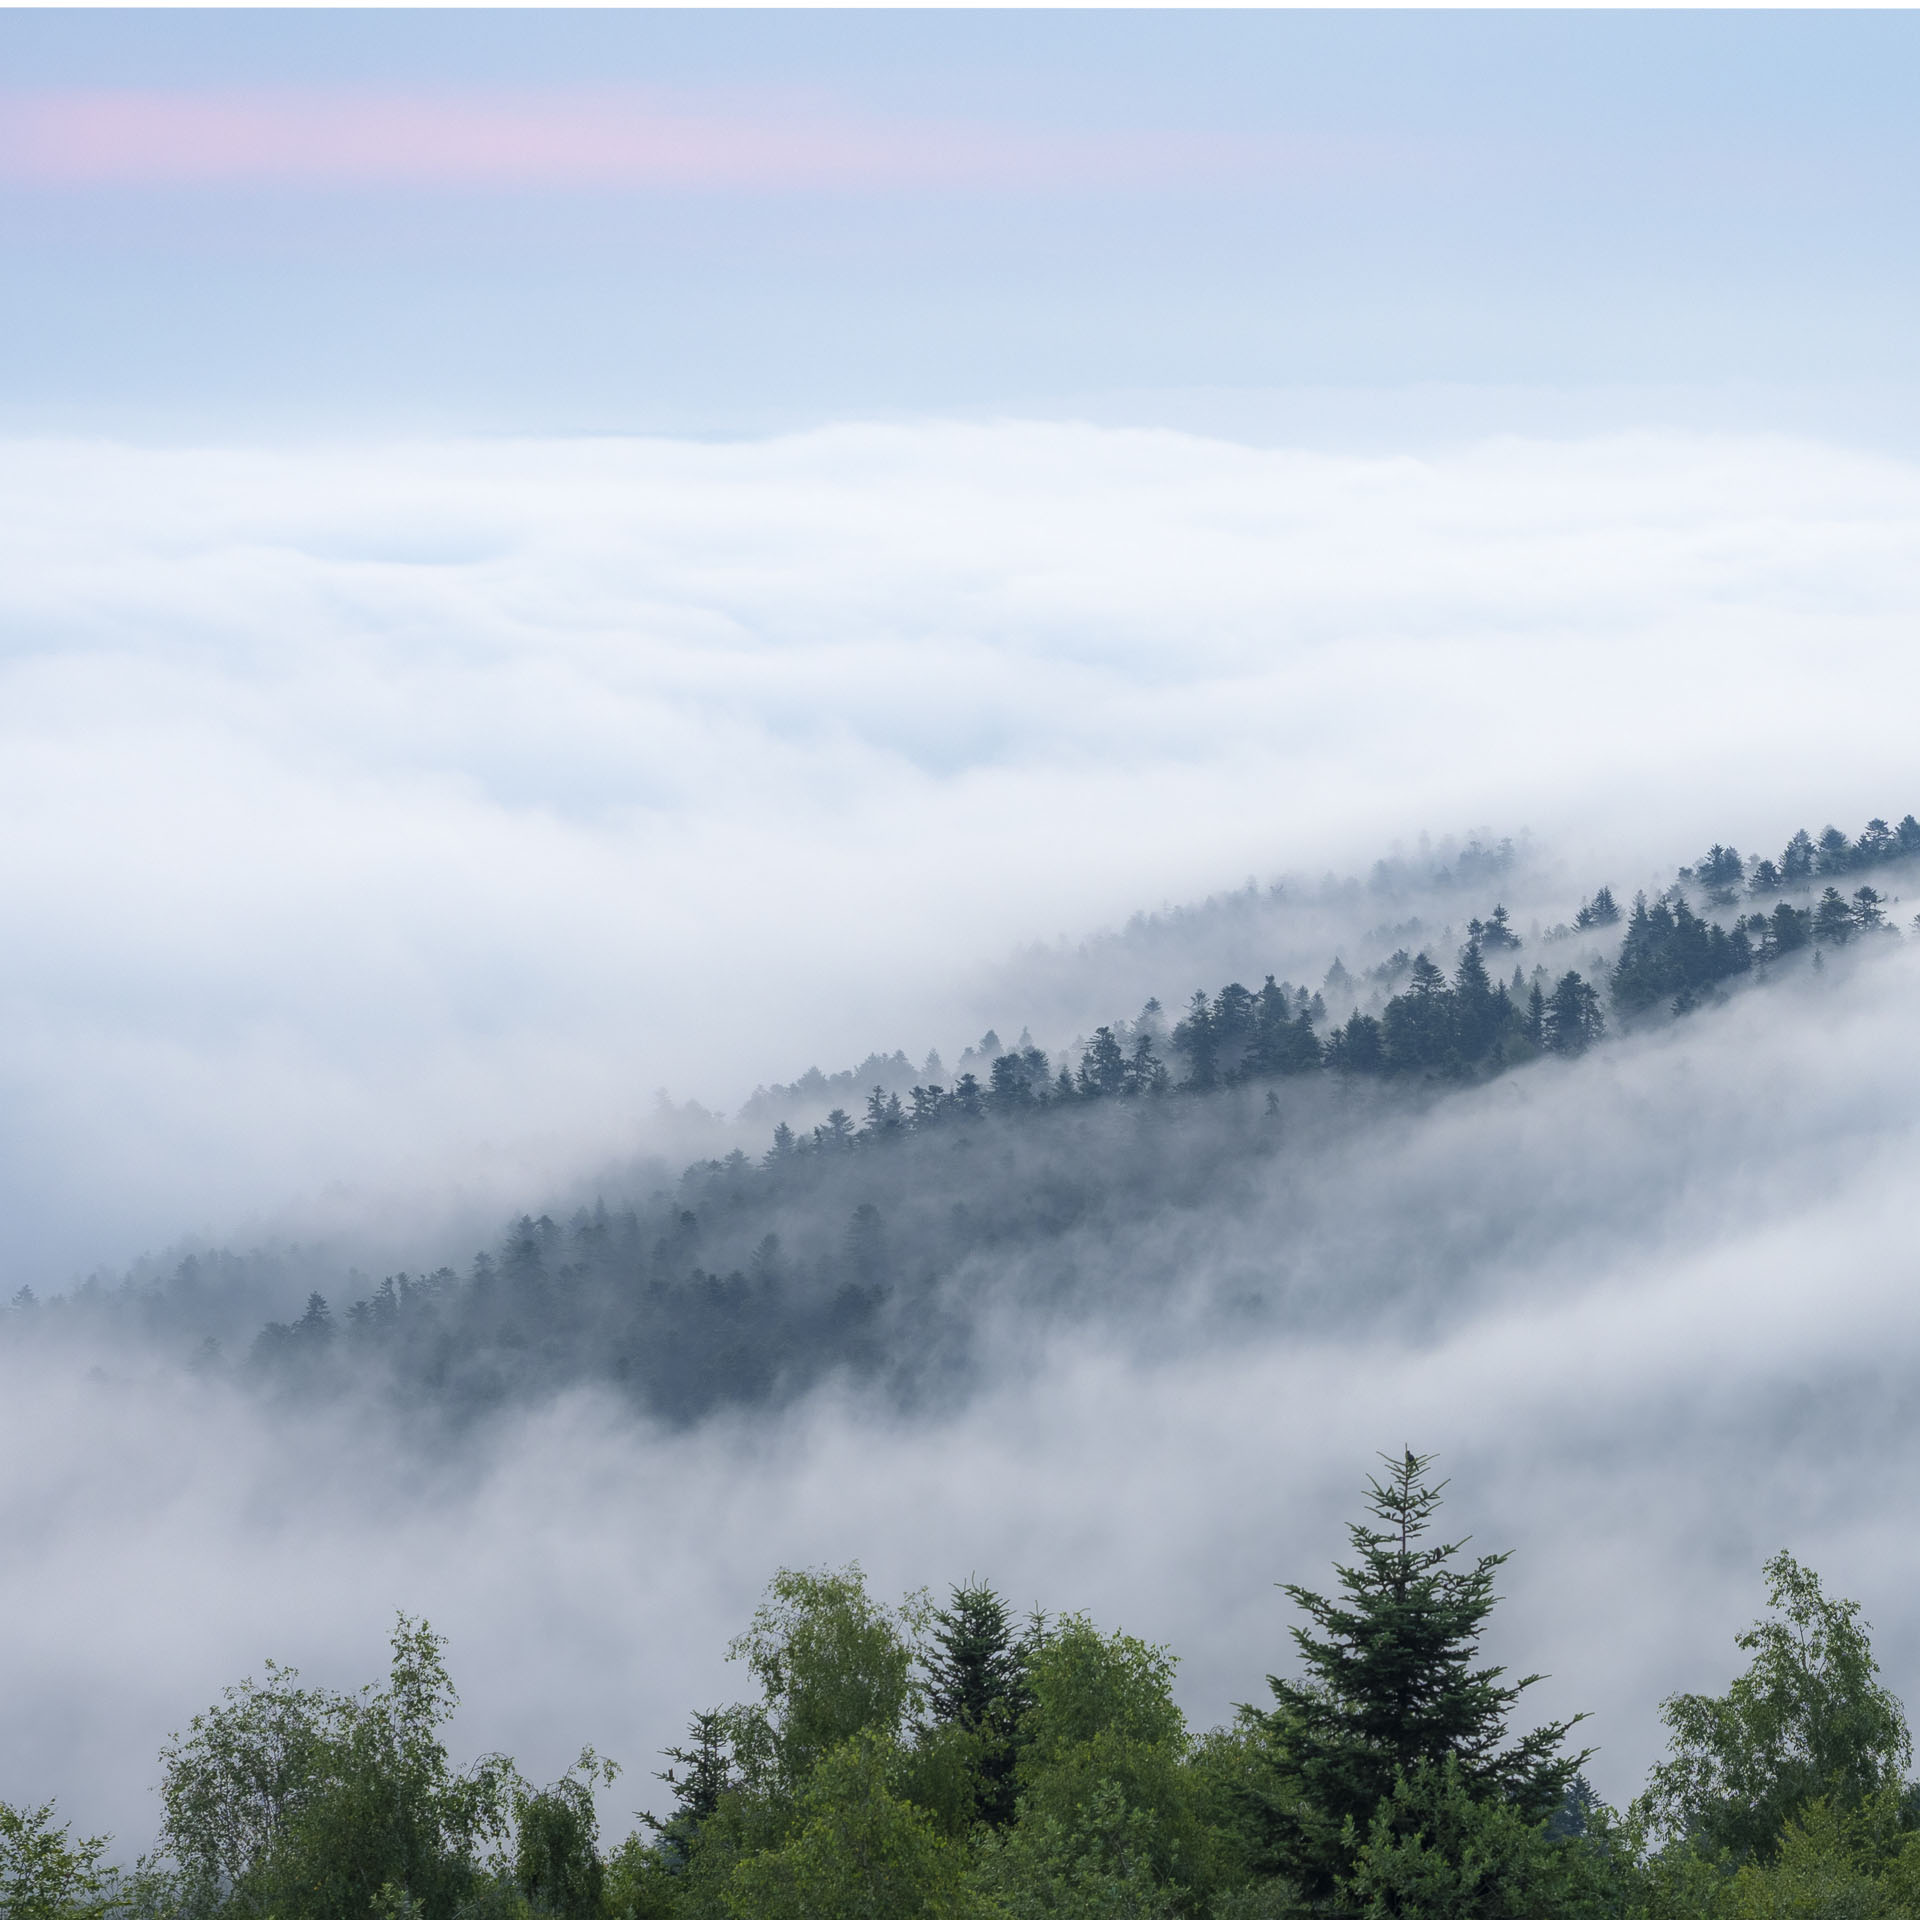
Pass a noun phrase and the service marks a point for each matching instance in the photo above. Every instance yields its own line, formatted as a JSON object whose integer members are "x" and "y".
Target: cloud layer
{"x": 398, "y": 819}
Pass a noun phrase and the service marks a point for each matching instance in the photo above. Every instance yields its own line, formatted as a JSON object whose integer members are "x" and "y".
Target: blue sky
{"x": 1127, "y": 215}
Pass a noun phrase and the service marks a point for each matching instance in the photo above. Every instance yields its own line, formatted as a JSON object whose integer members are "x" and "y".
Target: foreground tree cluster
{"x": 952, "y": 1762}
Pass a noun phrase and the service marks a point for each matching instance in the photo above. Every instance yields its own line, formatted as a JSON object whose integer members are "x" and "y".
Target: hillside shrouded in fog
{"x": 1647, "y": 1290}
{"x": 1194, "y": 1174}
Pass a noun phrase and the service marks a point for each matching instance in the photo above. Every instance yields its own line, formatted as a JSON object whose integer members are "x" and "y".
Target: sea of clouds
{"x": 388, "y": 824}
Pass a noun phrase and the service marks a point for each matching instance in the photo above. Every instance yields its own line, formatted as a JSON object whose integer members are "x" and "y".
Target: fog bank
{"x": 389, "y": 823}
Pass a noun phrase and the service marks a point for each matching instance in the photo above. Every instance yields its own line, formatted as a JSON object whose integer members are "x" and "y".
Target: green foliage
{"x": 860, "y": 1849}
{"x": 831, "y": 1662}
{"x": 1107, "y": 1803}
{"x": 1833, "y": 1864}
{"x": 1095, "y": 1861}
{"x": 977, "y": 1685}
{"x": 1807, "y": 1720}
{"x": 1390, "y": 1684}
{"x": 1086, "y": 1684}
{"x": 642, "y": 1883}
{"x": 556, "y": 1853}
{"x": 47, "y": 1874}
{"x": 305, "y": 1805}
{"x": 1436, "y": 1850}
{"x": 1383, "y": 1784}
{"x": 700, "y": 1775}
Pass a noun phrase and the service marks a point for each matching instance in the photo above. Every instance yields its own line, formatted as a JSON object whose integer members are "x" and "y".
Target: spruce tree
{"x": 977, "y": 1679}
{"x": 701, "y": 1774}
{"x": 1390, "y": 1684}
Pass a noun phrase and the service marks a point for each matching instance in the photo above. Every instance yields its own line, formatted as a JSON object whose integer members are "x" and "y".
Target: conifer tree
{"x": 977, "y": 1679}
{"x": 1389, "y": 1684}
{"x": 699, "y": 1775}
{"x": 1476, "y": 1012}
{"x": 1833, "y": 919}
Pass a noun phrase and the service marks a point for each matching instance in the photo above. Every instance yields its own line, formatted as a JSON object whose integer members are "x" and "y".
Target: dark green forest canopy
{"x": 869, "y": 1244}
{"x": 963, "y": 1762}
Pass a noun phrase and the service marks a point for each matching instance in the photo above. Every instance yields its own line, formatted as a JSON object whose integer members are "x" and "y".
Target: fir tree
{"x": 977, "y": 1680}
{"x": 1835, "y": 851}
{"x": 700, "y": 1774}
{"x": 1477, "y": 1012}
{"x": 1833, "y": 919}
{"x": 1573, "y": 1018}
{"x": 1390, "y": 1684}
{"x": 1103, "y": 1066}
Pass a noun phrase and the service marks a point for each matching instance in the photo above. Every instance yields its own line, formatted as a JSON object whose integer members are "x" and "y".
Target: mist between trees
{"x": 878, "y": 1246}
{"x": 952, "y": 1760}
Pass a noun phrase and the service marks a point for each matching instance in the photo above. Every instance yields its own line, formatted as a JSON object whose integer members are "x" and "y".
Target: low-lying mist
{"x": 388, "y": 824}
{"x": 1653, "y": 1306}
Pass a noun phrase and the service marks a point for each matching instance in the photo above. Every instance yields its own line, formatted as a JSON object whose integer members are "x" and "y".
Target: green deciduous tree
{"x": 46, "y": 1873}
{"x": 1808, "y": 1719}
{"x": 1435, "y": 1850}
{"x": 831, "y": 1661}
{"x": 306, "y": 1805}
{"x": 1106, "y": 1817}
{"x": 556, "y": 1854}
{"x": 859, "y": 1849}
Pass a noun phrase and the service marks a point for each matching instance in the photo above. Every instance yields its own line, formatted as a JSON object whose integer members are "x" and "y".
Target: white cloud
{"x": 402, "y": 816}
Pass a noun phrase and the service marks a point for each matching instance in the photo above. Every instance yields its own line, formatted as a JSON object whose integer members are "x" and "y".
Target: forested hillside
{"x": 953, "y": 1762}
{"x": 874, "y": 1243}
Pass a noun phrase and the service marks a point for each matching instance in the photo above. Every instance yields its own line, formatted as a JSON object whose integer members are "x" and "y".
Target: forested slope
{"x": 1212, "y": 1149}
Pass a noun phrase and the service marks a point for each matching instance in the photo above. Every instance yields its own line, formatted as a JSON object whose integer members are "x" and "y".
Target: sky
{"x": 555, "y": 566}
{"x": 1252, "y": 223}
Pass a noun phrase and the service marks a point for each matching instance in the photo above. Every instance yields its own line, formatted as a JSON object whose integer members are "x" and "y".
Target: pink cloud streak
{"x": 352, "y": 140}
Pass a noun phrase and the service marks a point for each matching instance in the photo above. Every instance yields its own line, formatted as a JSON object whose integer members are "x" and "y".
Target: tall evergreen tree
{"x": 1876, "y": 843}
{"x": 1389, "y": 1684}
{"x": 1103, "y": 1066}
{"x": 1477, "y": 1010}
{"x": 699, "y": 1775}
{"x": 977, "y": 1680}
{"x": 1835, "y": 851}
{"x": 1197, "y": 1038}
{"x": 1573, "y": 1017}
{"x": 1833, "y": 919}
{"x": 1417, "y": 1026}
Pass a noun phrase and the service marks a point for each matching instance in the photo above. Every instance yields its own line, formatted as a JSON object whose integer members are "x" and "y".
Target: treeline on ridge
{"x": 864, "y": 1246}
